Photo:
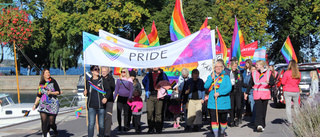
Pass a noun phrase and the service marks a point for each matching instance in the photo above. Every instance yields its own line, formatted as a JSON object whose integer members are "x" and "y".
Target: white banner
{"x": 194, "y": 48}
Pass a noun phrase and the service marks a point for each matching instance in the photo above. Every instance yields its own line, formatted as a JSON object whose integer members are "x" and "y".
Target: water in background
{"x": 53, "y": 71}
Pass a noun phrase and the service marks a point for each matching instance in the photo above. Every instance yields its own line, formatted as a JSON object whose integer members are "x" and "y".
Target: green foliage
{"x": 69, "y": 18}
{"x": 251, "y": 15}
{"x": 298, "y": 19}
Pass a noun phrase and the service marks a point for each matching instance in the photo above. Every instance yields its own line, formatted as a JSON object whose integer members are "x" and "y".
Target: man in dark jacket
{"x": 109, "y": 85}
{"x": 154, "y": 105}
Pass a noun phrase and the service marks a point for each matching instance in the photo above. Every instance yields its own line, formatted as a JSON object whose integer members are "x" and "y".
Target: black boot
{"x": 236, "y": 123}
{"x": 151, "y": 127}
{"x": 158, "y": 126}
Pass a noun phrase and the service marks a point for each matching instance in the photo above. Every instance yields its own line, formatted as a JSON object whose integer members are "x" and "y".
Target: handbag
{"x": 175, "y": 95}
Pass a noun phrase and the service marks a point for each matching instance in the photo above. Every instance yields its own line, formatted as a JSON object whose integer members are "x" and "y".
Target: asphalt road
{"x": 69, "y": 126}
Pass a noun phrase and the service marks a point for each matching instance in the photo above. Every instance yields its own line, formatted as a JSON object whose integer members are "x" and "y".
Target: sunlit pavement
{"x": 68, "y": 126}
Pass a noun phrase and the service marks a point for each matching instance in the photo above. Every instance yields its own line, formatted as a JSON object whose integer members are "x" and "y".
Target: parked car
{"x": 304, "y": 84}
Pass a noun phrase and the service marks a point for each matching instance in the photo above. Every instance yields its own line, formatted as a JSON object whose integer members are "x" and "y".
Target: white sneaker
{"x": 260, "y": 128}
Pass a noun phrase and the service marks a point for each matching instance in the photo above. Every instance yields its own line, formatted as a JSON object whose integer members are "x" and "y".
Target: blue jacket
{"x": 200, "y": 86}
{"x": 148, "y": 81}
{"x": 223, "y": 101}
{"x": 246, "y": 79}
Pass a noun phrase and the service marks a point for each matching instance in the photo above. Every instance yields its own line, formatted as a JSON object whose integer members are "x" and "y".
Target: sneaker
{"x": 260, "y": 128}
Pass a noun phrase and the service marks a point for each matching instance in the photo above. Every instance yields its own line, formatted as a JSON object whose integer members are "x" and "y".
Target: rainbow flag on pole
{"x": 205, "y": 24}
{"x": 288, "y": 51}
{"x": 78, "y": 112}
{"x": 178, "y": 25}
{"x": 153, "y": 36}
{"x": 223, "y": 46}
{"x": 237, "y": 42}
{"x": 142, "y": 38}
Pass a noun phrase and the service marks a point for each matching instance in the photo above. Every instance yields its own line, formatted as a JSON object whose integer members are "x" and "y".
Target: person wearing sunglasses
{"x": 96, "y": 101}
{"x": 123, "y": 93}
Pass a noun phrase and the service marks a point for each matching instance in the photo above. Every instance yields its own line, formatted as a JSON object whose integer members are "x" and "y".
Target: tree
{"x": 68, "y": 19}
{"x": 251, "y": 15}
{"x": 298, "y": 19}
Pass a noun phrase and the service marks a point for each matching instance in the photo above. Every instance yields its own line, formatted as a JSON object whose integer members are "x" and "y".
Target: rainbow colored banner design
{"x": 142, "y": 38}
{"x": 78, "y": 112}
{"x": 178, "y": 25}
{"x": 153, "y": 36}
{"x": 288, "y": 51}
{"x": 237, "y": 42}
{"x": 222, "y": 45}
{"x": 205, "y": 24}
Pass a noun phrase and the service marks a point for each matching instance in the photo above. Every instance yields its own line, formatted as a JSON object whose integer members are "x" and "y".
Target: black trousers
{"x": 261, "y": 112}
{"x": 222, "y": 115}
{"x": 137, "y": 119}
{"x": 236, "y": 105}
{"x": 123, "y": 105}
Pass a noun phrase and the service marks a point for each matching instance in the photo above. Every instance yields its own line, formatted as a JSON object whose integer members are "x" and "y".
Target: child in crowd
{"x": 136, "y": 105}
{"x": 174, "y": 108}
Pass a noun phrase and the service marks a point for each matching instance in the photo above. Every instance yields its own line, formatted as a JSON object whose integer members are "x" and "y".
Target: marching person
{"x": 261, "y": 81}
{"x": 123, "y": 91}
{"x": 246, "y": 78}
{"x": 236, "y": 95}
{"x": 96, "y": 101}
{"x": 182, "y": 87}
{"x": 314, "y": 88}
{"x": 109, "y": 88}
{"x": 291, "y": 90}
{"x": 154, "y": 105}
{"x": 196, "y": 99}
{"x": 47, "y": 98}
{"x": 250, "y": 99}
{"x": 221, "y": 82}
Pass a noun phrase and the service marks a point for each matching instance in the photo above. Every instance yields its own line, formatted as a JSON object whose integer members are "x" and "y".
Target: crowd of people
{"x": 226, "y": 96}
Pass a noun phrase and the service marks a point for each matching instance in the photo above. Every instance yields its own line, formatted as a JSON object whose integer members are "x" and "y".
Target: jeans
{"x": 185, "y": 113}
{"x": 295, "y": 97}
{"x": 92, "y": 119}
{"x": 252, "y": 105}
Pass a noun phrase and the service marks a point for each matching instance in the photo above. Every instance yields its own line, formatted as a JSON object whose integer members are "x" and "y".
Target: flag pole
{"x": 213, "y": 64}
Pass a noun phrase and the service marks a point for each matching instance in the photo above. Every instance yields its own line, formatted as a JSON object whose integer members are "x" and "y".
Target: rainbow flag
{"x": 237, "y": 42}
{"x": 142, "y": 38}
{"x": 78, "y": 112}
{"x": 205, "y": 24}
{"x": 223, "y": 47}
{"x": 153, "y": 36}
{"x": 288, "y": 51}
{"x": 178, "y": 25}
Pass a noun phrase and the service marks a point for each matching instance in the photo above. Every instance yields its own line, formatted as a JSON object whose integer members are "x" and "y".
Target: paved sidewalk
{"x": 69, "y": 126}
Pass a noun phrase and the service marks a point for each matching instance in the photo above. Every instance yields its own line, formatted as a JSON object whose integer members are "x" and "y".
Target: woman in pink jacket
{"x": 291, "y": 80}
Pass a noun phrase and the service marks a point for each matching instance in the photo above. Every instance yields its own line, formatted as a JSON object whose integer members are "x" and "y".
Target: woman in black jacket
{"x": 236, "y": 95}
{"x": 96, "y": 101}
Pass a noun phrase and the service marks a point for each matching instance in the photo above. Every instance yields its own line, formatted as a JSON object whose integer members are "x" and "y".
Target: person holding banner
{"x": 96, "y": 101}
{"x": 154, "y": 105}
{"x": 196, "y": 94}
{"x": 109, "y": 87}
{"x": 123, "y": 91}
{"x": 261, "y": 81}
{"x": 219, "y": 87}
